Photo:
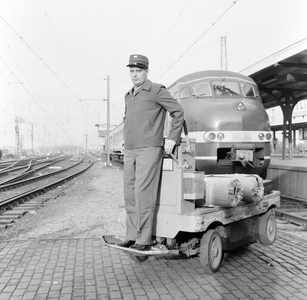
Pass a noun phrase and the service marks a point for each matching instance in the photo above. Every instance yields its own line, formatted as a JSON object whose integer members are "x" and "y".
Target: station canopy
{"x": 282, "y": 81}
{"x": 282, "y": 77}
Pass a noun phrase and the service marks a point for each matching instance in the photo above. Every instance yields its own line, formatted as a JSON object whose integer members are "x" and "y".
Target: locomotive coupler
{"x": 244, "y": 154}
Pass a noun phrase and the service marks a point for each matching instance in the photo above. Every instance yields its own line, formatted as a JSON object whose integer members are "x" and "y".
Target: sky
{"x": 55, "y": 55}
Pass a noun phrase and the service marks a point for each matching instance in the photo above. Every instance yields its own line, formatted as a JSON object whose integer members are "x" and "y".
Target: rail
{"x": 293, "y": 210}
{"x": 294, "y": 219}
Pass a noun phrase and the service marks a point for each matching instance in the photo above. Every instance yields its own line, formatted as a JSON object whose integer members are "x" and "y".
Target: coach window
{"x": 248, "y": 90}
{"x": 202, "y": 89}
{"x": 185, "y": 93}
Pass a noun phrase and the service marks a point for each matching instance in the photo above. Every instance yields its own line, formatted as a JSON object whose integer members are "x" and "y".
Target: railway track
{"x": 21, "y": 192}
{"x": 293, "y": 210}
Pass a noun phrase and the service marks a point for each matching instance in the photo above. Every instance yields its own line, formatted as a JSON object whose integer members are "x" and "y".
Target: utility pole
{"x": 32, "y": 149}
{"x": 86, "y": 142}
{"x": 223, "y": 53}
{"x": 108, "y": 117}
{"x": 108, "y": 121}
{"x": 18, "y": 139}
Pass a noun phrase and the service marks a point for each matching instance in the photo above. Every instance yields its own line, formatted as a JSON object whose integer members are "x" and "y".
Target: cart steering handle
{"x": 188, "y": 148}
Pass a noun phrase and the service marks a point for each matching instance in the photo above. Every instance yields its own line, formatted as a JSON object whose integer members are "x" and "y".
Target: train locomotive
{"x": 225, "y": 115}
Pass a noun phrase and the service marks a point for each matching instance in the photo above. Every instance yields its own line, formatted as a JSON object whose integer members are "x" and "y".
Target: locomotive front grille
{"x": 241, "y": 136}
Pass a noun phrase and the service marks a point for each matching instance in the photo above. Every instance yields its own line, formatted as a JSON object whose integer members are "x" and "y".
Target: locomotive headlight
{"x": 239, "y": 106}
{"x": 212, "y": 136}
{"x": 220, "y": 136}
{"x": 268, "y": 136}
{"x": 261, "y": 136}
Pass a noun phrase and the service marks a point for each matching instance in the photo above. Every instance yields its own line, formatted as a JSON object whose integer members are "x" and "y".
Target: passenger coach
{"x": 117, "y": 143}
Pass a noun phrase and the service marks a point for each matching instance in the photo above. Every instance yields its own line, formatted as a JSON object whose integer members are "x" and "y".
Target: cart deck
{"x": 200, "y": 219}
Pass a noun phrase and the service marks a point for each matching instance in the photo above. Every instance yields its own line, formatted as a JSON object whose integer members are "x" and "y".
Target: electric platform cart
{"x": 185, "y": 225}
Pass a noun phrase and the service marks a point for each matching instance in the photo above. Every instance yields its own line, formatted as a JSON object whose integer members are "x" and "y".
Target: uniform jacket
{"x": 145, "y": 116}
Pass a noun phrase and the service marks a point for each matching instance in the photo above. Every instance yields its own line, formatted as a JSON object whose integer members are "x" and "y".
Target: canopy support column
{"x": 287, "y": 105}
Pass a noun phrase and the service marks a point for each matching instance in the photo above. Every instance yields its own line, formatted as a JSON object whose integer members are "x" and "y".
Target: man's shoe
{"x": 126, "y": 243}
{"x": 141, "y": 247}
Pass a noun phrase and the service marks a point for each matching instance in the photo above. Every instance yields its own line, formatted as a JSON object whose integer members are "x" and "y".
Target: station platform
{"x": 289, "y": 176}
{"x": 300, "y": 162}
{"x": 84, "y": 268}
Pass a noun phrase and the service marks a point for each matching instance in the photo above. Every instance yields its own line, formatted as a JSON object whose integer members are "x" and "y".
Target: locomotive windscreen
{"x": 226, "y": 88}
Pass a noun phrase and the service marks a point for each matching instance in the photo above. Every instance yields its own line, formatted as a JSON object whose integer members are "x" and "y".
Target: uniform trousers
{"x": 142, "y": 172}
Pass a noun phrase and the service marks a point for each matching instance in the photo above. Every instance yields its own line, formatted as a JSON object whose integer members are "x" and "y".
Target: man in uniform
{"x": 146, "y": 105}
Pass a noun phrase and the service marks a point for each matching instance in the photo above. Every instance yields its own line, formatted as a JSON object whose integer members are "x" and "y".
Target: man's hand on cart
{"x": 169, "y": 146}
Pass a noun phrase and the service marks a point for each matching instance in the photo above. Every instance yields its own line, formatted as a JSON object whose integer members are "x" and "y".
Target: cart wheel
{"x": 267, "y": 228}
{"x": 211, "y": 251}
{"x": 138, "y": 258}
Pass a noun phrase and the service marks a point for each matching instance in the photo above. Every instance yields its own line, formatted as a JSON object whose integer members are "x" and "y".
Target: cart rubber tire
{"x": 138, "y": 258}
{"x": 211, "y": 251}
{"x": 267, "y": 228}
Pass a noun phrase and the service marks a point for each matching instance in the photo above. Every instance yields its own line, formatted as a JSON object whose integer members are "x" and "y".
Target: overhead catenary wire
{"x": 51, "y": 118}
{"x": 47, "y": 15}
{"x": 37, "y": 117}
{"x": 170, "y": 28}
{"x": 19, "y": 82}
{"x": 201, "y": 36}
{"x": 46, "y": 65}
